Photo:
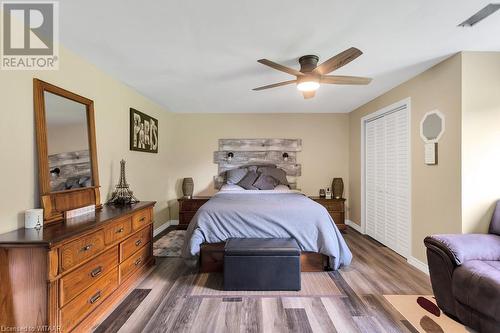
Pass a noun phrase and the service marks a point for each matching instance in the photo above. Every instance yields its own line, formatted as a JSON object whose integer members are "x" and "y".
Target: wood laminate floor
{"x": 164, "y": 300}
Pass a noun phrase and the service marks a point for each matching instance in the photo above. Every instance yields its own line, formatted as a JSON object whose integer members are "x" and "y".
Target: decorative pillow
{"x": 231, "y": 187}
{"x": 234, "y": 176}
{"x": 248, "y": 180}
{"x": 276, "y": 173}
{"x": 252, "y": 167}
{"x": 266, "y": 182}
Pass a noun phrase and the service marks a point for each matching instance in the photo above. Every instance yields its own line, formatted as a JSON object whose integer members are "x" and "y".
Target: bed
{"x": 279, "y": 213}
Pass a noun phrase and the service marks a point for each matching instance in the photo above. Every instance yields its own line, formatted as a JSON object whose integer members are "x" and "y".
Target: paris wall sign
{"x": 143, "y": 132}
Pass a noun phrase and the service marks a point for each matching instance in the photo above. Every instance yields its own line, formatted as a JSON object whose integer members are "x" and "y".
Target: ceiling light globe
{"x": 309, "y": 85}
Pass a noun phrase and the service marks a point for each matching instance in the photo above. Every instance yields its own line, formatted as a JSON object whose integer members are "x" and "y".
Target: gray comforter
{"x": 267, "y": 214}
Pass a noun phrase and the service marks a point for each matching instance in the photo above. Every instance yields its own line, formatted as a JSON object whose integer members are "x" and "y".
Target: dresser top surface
{"x": 325, "y": 199}
{"x": 194, "y": 198}
{"x": 58, "y": 232}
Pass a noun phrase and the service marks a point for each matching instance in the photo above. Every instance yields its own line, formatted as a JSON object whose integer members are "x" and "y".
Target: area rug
{"x": 169, "y": 245}
{"x": 424, "y": 315}
{"x": 318, "y": 284}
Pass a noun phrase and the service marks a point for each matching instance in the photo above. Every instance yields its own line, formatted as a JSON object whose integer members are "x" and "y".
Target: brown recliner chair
{"x": 465, "y": 275}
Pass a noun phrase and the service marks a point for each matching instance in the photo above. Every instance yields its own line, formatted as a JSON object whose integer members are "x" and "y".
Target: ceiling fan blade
{"x": 341, "y": 59}
{"x": 275, "y": 85}
{"x": 309, "y": 94}
{"x": 340, "y": 79}
{"x": 280, "y": 67}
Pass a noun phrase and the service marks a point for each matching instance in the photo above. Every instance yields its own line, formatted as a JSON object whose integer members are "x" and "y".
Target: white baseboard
{"x": 164, "y": 226}
{"x": 418, "y": 264}
{"x": 160, "y": 229}
{"x": 421, "y": 266}
{"x": 353, "y": 225}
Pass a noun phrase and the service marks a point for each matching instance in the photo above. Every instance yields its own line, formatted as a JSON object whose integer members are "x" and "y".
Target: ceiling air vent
{"x": 480, "y": 15}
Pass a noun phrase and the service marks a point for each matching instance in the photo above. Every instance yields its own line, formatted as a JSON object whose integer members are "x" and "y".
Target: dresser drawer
{"x": 185, "y": 218}
{"x": 133, "y": 262}
{"x": 117, "y": 230}
{"x": 134, "y": 243}
{"x": 191, "y": 205}
{"x": 80, "y": 279}
{"x": 338, "y": 217}
{"x": 141, "y": 219}
{"x": 78, "y": 250}
{"x": 83, "y": 304}
{"x": 333, "y": 205}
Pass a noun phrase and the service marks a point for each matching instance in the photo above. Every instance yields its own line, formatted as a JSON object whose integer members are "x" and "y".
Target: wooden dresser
{"x": 187, "y": 208}
{"x": 68, "y": 274}
{"x": 336, "y": 208}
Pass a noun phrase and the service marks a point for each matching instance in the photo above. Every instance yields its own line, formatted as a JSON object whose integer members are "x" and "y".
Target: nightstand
{"x": 336, "y": 208}
{"x": 187, "y": 208}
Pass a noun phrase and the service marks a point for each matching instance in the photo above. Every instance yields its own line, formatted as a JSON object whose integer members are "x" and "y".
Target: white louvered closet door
{"x": 370, "y": 187}
{"x": 380, "y": 169}
{"x": 403, "y": 182}
{"x": 387, "y": 180}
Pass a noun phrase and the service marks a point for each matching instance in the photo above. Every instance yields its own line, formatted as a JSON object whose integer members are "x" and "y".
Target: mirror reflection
{"x": 67, "y": 143}
{"x": 432, "y": 126}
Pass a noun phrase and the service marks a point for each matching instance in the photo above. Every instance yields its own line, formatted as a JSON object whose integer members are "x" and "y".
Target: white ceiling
{"x": 200, "y": 56}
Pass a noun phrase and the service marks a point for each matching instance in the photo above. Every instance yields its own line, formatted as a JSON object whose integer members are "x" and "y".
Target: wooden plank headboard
{"x": 258, "y": 151}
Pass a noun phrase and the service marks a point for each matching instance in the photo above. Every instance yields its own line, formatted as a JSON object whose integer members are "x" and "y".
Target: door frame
{"x": 372, "y": 116}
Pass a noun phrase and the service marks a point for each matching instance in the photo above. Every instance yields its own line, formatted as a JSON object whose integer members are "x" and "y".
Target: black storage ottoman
{"x": 261, "y": 264}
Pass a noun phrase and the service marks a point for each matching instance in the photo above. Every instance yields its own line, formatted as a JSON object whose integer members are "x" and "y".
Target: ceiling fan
{"x": 310, "y": 76}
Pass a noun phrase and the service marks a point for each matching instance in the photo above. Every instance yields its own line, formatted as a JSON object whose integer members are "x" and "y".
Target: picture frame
{"x": 143, "y": 132}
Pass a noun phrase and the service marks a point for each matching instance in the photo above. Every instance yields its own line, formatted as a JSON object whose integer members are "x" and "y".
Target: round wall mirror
{"x": 432, "y": 126}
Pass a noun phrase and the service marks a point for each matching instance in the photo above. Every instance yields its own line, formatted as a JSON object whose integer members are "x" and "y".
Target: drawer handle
{"x": 142, "y": 219}
{"x": 86, "y": 247}
{"x": 95, "y": 272}
{"x": 138, "y": 242}
{"x": 119, "y": 230}
{"x": 138, "y": 261}
{"x": 95, "y": 298}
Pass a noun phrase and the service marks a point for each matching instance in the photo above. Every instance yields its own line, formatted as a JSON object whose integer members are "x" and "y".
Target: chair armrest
{"x": 461, "y": 248}
{"x": 441, "y": 266}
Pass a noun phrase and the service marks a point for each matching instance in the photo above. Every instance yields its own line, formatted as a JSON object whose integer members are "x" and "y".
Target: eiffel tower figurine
{"x": 122, "y": 194}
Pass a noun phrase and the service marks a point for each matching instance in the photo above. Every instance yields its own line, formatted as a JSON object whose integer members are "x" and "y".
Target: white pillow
{"x": 231, "y": 187}
{"x": 282, "y": 187}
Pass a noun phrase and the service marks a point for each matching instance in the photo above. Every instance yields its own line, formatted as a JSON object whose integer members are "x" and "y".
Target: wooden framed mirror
{"x": 67, "y": 155}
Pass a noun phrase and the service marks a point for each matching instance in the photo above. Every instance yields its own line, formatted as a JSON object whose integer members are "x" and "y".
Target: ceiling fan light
{"x": 310, "y": 85}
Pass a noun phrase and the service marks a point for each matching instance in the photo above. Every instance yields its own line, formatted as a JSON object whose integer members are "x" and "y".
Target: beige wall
{"x": 147, "y": 173}
{"x": 325, "y": 141}
{"x": 436, "y": 190}
{"x": 480, "y": 138}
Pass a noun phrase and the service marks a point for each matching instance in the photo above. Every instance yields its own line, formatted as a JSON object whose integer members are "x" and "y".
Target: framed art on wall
{"x": 143, "y": 132}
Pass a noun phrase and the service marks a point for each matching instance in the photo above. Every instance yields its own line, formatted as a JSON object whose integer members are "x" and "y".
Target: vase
{"x": 187, "y": 187}
{"x": 338, "y": 188}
